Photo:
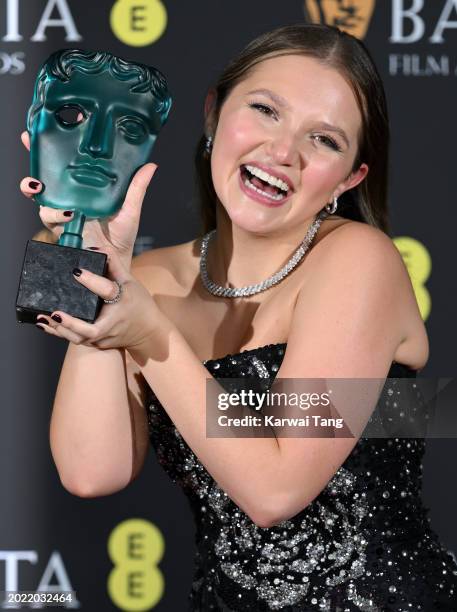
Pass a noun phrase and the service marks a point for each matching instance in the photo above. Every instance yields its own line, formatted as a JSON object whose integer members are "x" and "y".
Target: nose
{"x": 98, "y": 138}
{"x": 283, "y": 149}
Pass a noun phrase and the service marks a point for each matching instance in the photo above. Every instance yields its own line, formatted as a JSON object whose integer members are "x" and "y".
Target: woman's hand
{"x": 129, "y": 323}
{"x": 118, "y": 231}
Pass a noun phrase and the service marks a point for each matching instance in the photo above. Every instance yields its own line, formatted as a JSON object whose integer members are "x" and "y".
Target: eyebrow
{"x": 282, "y": 102}
{"x": 279, "y": 100}
{"x": 333, "y": 128}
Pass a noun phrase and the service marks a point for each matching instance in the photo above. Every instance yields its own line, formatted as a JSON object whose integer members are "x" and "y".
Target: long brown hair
{"x": 367, "y": 202}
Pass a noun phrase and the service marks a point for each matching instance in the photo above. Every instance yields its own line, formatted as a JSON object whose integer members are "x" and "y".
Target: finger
{"x": 104, "y": 287}
{"x": 75, "y": 330}
{"x": 30, "y": 186}
{"x": 51, "y": 216}
{"x": 59, "y": 331}
{"x": 25, "y": 138}
{"x": 116, "y": 269}
{"x": 137, "y": 189}
{"x": 48, "y": 320}
{"x": 104, "y": 343}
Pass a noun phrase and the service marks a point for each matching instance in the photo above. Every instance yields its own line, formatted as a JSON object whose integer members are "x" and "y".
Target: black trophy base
{"x": 47, "y": 283}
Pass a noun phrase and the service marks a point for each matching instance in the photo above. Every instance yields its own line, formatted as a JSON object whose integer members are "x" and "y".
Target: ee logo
{"x": 138, "y": 22}
{"x": 419, "y": 265}
{"x": 135, "y": 547}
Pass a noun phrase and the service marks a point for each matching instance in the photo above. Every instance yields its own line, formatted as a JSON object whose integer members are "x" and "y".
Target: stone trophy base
{"x": 47, "y": 282}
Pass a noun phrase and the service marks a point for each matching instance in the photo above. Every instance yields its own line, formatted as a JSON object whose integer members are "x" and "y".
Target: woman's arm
{"x": 347, "y": 324}
{"x": 99, "y": 432}
{"x": 98, "y": 429}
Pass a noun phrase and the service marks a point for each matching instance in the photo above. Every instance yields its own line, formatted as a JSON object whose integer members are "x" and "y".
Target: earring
{"x": 331, "y": 208}
{"x": 208, "y": 145}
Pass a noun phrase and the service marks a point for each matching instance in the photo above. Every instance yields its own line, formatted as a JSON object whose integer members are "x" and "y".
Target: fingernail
{"x": 77, "y": 271}
{"x": 67, "y": 213}
{"x": 34, "y": 184}
{"x": 39, "y": 327}
{"x": 57, "y": 318}
{"x": 41, "y": 320}
{"x": 94, "y": 248}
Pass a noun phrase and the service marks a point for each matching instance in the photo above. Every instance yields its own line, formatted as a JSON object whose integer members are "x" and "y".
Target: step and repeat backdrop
{"x": 134, "y": 550}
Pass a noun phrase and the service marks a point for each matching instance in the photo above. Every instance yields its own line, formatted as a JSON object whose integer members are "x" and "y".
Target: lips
{"x": 258, "y": 197}
{"x": 274, "y": 173}
{"x": 93, "y": 175}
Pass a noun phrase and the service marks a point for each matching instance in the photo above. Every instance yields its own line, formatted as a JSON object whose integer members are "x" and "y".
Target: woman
{"x": 295, "y": 130}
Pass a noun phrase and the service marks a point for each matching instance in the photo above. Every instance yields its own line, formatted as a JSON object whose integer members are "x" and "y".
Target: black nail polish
{"x": 94, "y": 248}
{"x": 57, "y": 318}
{"x": 41, "y": 320}
{"x": 34, "y": 184}
{"x": 39, "y": 327}
{"x": 67, "y": 213}
{"x": 77, "y": 271}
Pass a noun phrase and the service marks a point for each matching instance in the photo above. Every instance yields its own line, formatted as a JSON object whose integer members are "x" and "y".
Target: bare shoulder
{"x": 357, "y": 268}
{"x": 355, "y": 247}
{"x": 356, "y": 235}
{"x": 356, "y": 256}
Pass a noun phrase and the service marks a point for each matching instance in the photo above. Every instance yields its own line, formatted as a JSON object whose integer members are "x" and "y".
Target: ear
{"x": 210, "y": 109}
{"x": 25, "y": 137}
{"x": 352, "y": 180}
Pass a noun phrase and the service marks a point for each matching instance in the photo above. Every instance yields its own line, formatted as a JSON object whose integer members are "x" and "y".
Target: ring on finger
{"x": 117, "y": 297}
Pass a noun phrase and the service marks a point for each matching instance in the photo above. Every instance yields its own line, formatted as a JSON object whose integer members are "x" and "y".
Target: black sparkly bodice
{"x": 363, "y": 544}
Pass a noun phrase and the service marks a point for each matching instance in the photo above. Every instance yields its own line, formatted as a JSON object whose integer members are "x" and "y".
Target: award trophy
{"x": 93, "y": 122}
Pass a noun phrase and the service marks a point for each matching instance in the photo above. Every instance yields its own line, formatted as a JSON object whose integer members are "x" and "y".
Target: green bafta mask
{"x": 93, "y": 122}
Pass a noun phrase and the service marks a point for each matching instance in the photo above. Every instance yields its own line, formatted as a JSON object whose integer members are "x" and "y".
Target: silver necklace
{"x": 247, "y": 290}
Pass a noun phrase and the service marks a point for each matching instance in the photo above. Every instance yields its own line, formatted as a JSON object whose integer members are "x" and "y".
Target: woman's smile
{"x": 264, "y": 186}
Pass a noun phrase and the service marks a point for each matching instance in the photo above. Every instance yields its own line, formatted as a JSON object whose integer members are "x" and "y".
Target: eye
{"x": 70, "y": 115}
{"x": 133, "y": 129}
{"x": 263, "y": 108}
{"x": 328, "y": 141}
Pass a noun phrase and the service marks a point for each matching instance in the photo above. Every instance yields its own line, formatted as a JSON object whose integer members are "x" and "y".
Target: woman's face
{"x": 285, "y": 144}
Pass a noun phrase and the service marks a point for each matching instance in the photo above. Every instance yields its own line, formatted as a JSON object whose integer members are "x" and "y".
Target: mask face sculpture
{"x": 93, "y": 122}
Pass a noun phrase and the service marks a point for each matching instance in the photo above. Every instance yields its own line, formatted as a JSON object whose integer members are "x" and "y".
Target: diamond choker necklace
{"x": 247, "y": 290}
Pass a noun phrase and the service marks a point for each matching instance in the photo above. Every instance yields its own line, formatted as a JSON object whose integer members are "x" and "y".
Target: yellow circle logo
{"x": 135, "y": 547}
{"x": 138, "y": 22}
{"x": 419, "y": 265}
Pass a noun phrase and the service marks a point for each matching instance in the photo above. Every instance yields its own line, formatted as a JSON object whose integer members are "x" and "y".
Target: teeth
{"x": 268, "y": 178}
{"x": 278, "y": 196}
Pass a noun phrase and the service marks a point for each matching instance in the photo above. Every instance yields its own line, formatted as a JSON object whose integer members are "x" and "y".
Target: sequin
{"x": 364, "y": 543}
{"x": 260, "y": 367}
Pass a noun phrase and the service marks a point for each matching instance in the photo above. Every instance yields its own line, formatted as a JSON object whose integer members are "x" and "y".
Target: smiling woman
{"x": 278, "y": 288}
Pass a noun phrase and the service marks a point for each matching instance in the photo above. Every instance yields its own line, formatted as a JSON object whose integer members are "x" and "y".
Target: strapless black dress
{"x": 364, "y": 544}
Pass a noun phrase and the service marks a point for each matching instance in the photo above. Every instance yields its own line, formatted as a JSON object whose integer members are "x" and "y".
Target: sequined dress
{"x": 363, "y": 544}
